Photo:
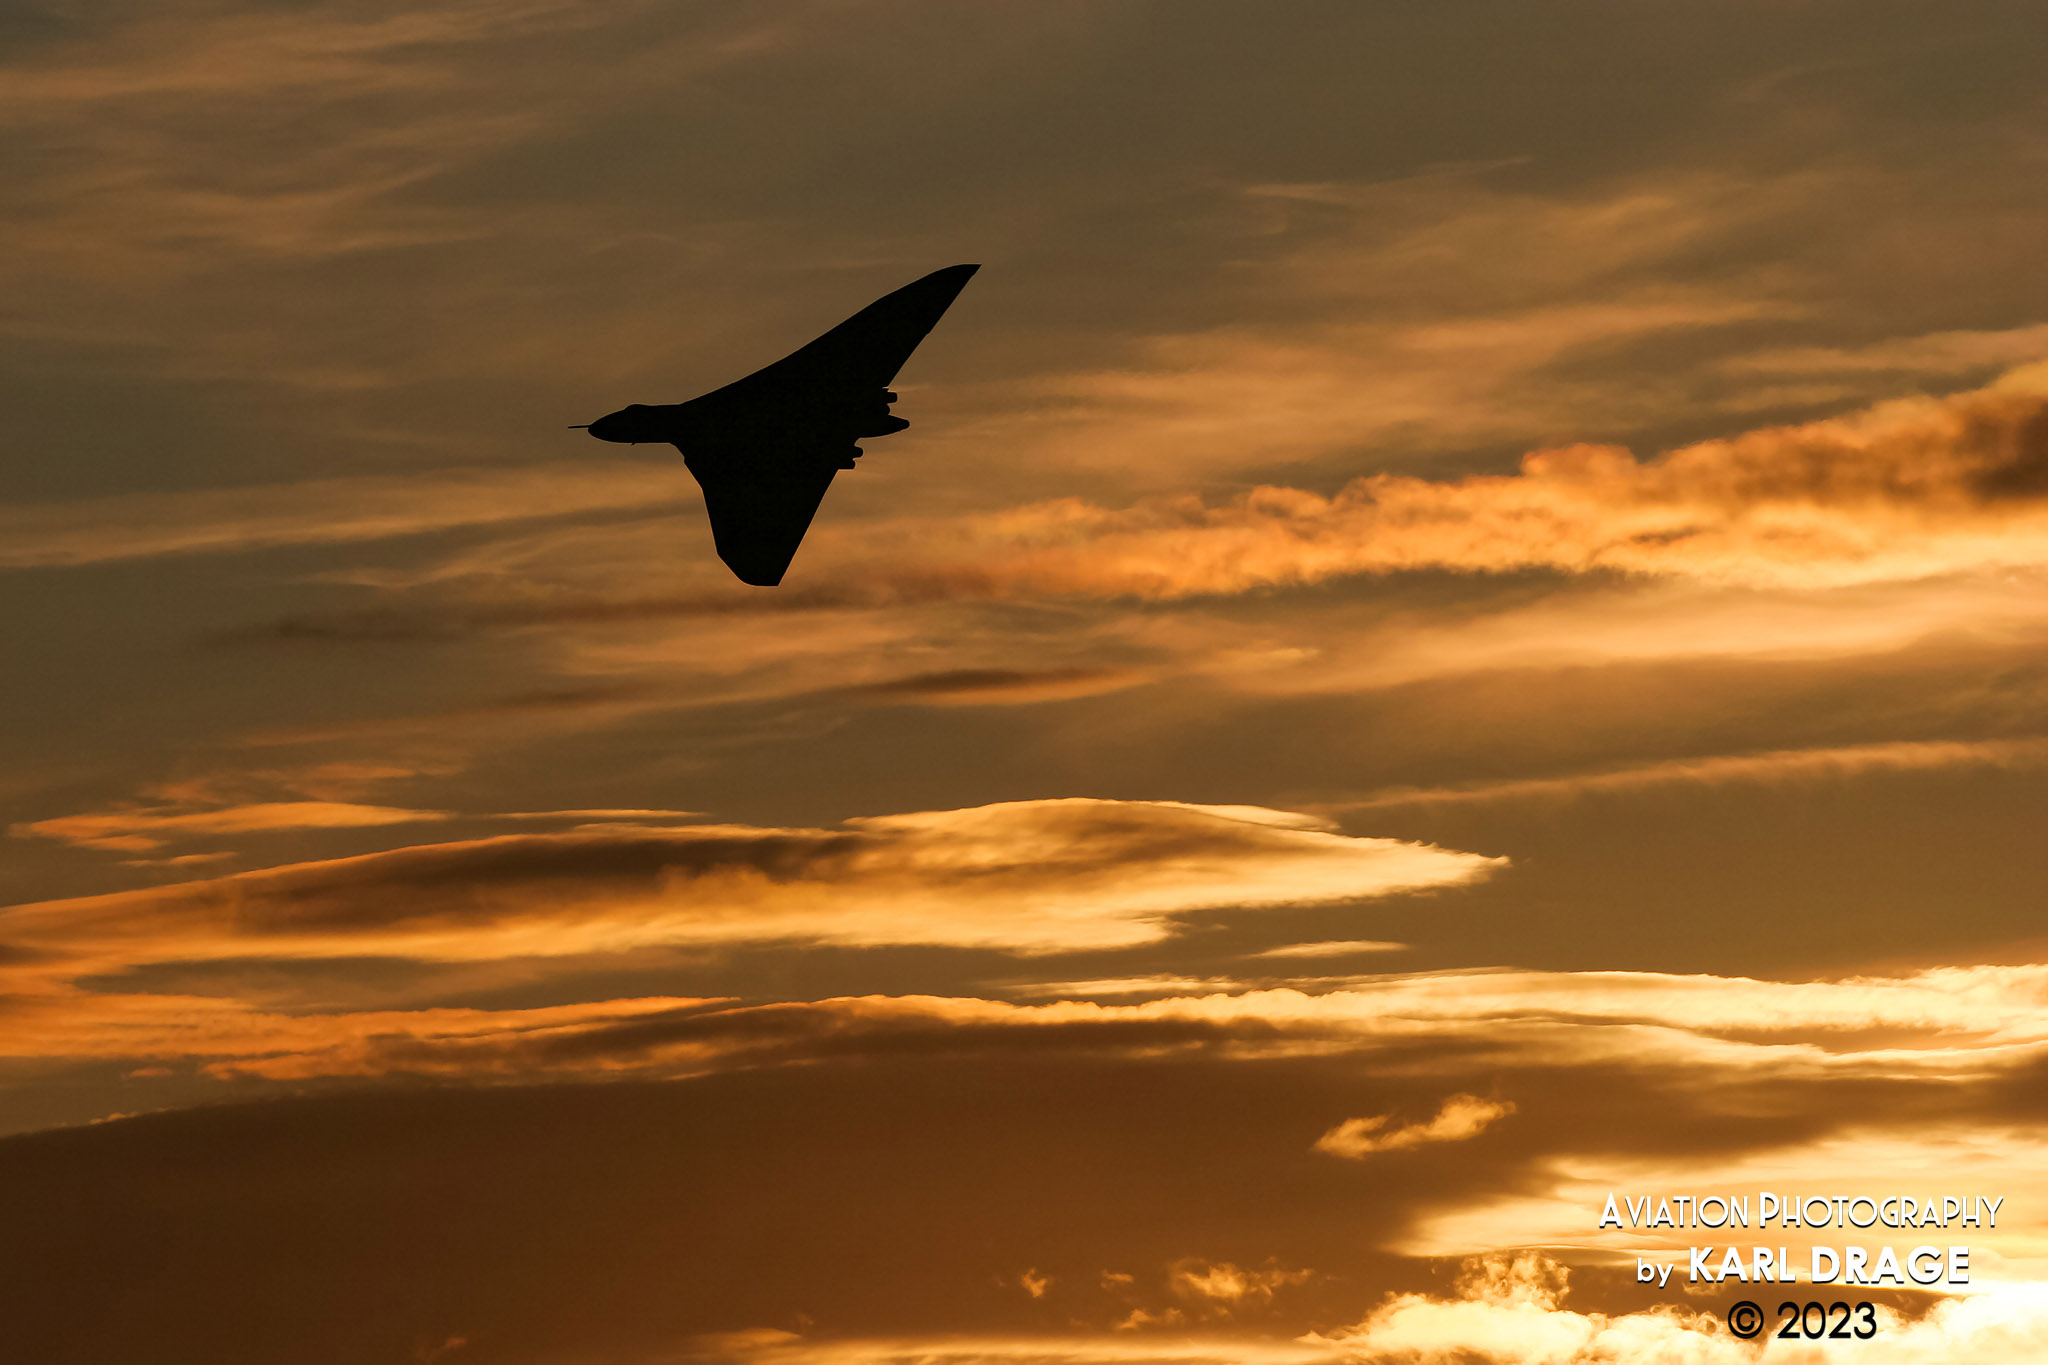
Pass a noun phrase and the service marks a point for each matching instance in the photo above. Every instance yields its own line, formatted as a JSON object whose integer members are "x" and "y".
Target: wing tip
{"x": 754, "y": 576}
{"x": 753, "y": 572}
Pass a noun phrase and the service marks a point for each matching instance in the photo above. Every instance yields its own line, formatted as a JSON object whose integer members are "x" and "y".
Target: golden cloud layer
{"x": 1461, "y": 1117}
{"x": 1939, "y": 1025}
{"x": 1507, "y": 1310}
{"x": 232, "y": 1039}
{"x": 1908, "y": 489}
{"x": 1510, "y": 1311}
{"x": 1919, "y": 518}
{"x": 145, "y": 828}
{"x": 317, "y": 512}
{"x": 1029, "y": 876}
{"x": 1783, "y": 765}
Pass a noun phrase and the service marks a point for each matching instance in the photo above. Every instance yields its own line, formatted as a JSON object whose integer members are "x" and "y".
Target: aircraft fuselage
{"x": 765, "y": 448}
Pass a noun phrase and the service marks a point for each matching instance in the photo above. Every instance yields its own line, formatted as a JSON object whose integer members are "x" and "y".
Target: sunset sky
{"x": 1460, "y": 627}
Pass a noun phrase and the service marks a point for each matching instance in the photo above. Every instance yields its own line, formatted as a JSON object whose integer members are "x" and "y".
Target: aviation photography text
{"x": 1876, "y": 1266}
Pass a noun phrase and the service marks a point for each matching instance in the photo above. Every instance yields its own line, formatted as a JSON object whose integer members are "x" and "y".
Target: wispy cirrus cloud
{"x": 999, "y": 686}
{"x": 239, "y": 134}
{"x": 1931, "y": 1028}
{"x": 1909, "y": 489}
{"x": 228, "y": 1038}
{"x": 1031, "y": 877}
{"x": 1240, "y": 397}
{"x": 1935, "y": 354}
{"x": 322, "y": 511}
{"x": 249, "y": 54}
{"x": 1332, "y": 948}
{"x": 1783, "y": 765}
{"x": 146, "y": 828}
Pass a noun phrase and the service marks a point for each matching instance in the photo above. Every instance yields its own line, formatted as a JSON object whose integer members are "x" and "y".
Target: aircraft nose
{"x": 606, "y": 428}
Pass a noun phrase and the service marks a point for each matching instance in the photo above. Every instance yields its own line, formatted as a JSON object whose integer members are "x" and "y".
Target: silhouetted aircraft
{"x": 765, "y": 448}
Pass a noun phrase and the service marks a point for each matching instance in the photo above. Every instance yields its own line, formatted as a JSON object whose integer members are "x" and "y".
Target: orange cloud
{"x": 1000, "y": 686}
{"x": 1935, "y": 353}
{"x": 1027, "y": 876}
{"x": 1226, "y": 1285}
{"x": 1235, "y": 396}
{"x": 1940, "y": 1025}
{"x": 150, "y": 828}
{"x": 1907, "y": 489}
{"x": 1780, "y": 765}
{"x": 1510, "y": 1311}
{"x": 1507, "y": 1310}
{"x": 230, "y": 1038}
{"x": 316, "y": 512}
{"x": 1726, "y": 543}
{"x": 1461, "y": 1117}
{"x": 1332, "y": 948}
